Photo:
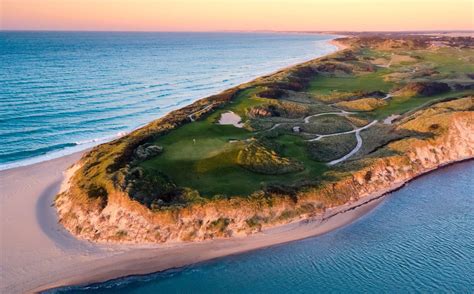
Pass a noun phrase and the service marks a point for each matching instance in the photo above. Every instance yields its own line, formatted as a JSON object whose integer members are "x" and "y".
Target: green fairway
{"x": 402, "y": 105}
{"x": 370, "y": 82}
{"x": 200, "y": 155}
{"x": 450, "y": 60}
{"x": 272, "y": 147}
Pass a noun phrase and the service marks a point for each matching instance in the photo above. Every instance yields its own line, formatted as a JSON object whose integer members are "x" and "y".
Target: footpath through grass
{"x": 203, "y": 155}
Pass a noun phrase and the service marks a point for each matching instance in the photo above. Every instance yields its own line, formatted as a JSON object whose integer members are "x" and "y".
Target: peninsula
{"x": 300, "y": 145}
{"x": 287, "y": 156}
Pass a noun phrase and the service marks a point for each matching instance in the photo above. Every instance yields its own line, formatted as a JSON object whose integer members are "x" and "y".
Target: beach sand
{"x": 37, "y": 253}
{"x": 339, "y": 45}
{"x": 33, "y": 246}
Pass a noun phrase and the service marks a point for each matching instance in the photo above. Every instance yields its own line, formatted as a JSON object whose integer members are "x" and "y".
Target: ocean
{"x": 420, "y": 239}
{"x": 62, "y": 92}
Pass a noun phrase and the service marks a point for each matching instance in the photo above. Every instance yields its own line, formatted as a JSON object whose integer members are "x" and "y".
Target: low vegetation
{"x": 187, "y": 158}
{"x": 331, "y": 148}
{"x": 328, "y": 124}
{"x": 260, "y": 159}
{"x": 363, "y": 104}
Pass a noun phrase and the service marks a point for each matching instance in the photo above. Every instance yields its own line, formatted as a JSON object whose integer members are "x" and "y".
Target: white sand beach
{"x": 37, "y": 253}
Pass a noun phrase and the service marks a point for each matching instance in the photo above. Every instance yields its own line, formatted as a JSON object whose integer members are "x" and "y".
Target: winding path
{"x": 306, "y": 119}
{"x": 356, "y": 131}
{"x": 343, "y": 133}
{"x": 354, "y": 151}
{"x": 341, "y": 113}
{"x": 356, "y": 148}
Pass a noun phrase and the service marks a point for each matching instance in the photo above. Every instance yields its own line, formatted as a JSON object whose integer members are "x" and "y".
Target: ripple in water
{"x": 58, "y": 88}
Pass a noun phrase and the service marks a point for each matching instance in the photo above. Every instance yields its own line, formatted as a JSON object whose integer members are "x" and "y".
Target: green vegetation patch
{"x": 401, "y": 105}
{"x": 376, "y": 138}
{"x": 327, "y": 124}
{"x": 325, "y": 86}
{"x": 450, "y": 60}
{"x": 280, "y": 109}
{"x": 204, "y": 156}
{"x": 188, "y": 157}
{"x": 331, "y": 148}
{"x": 364, "y": 104}
{"x": 258, "y": 158}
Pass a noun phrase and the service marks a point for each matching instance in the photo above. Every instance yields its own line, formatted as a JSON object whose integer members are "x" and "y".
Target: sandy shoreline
{"x": 38, "y": 254}
{"x": 339, "y": 45}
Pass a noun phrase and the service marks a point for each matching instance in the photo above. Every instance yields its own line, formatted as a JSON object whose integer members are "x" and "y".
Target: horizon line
{"x": 245, "y": 31}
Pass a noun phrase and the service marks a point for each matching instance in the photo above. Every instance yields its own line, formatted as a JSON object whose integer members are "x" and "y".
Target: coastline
{"x": 59, "y": 259}
{"x": 43, "y": 252}
{"x": 70, "y": 261}
{"x": 90, "y": 143}
{"x": 56, "y": 258}
{"x": 340, "y": 46}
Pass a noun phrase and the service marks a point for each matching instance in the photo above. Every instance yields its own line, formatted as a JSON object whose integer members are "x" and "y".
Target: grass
{"x": 331, "y": 148}
{"x": 364, "y": 104}
{"x": 326, "y": 85}
{"x": 199, "y": 155}
{"x": 244, "y": 101}
{"x": 450, "y": 60}
{"x": 217, "y": 160}
{"x": 327, "y": 124}
{"x": 403, "y": 105}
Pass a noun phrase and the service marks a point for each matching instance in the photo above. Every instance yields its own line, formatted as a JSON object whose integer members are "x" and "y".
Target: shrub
{"x": 364, "y": 104}
{"x": 257, "y": 158}
{"x": 331, "y": 148}
{"x": 219, "y": 225}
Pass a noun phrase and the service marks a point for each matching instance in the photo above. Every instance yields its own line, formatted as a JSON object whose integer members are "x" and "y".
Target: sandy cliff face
{"x": 124, "y": 220}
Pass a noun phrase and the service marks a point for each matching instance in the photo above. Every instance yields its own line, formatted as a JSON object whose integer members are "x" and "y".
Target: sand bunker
{"x": 230, "y": 118}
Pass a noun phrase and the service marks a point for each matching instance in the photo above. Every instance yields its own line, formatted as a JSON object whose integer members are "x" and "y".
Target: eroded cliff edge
{"x": 101, "y": 202}
{"x": 125, "y": 220}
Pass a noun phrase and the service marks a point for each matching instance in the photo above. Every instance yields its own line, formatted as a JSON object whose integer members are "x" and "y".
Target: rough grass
{"x": 327, "y": 124}
{"x": 258, "y": 158}
{"x": 323, "y": 85}
{"x": 401, "y": 105}
{"x": 376, "y": 138}
{"x": 197, "y": 154}
{"x": 331, "y": 148}
{"x": 202, "y": 158}
{"x": 364, "y": 104}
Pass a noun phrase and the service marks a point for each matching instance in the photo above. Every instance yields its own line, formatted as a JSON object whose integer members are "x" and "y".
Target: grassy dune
{"x": 188, "y": 155}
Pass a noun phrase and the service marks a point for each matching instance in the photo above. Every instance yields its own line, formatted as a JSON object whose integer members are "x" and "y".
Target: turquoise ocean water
{"x": 419, "y": 240}
{"x": 62, "y": 92}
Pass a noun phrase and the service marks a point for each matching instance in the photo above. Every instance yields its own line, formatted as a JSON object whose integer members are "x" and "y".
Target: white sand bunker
{"x": 230, "y": 118}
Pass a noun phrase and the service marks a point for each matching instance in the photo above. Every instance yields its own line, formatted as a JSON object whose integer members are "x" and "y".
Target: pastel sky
{"x": 218, "y": 15}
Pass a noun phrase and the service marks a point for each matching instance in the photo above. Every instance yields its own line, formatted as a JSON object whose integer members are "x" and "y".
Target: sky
{"x": 239, "y": 15}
